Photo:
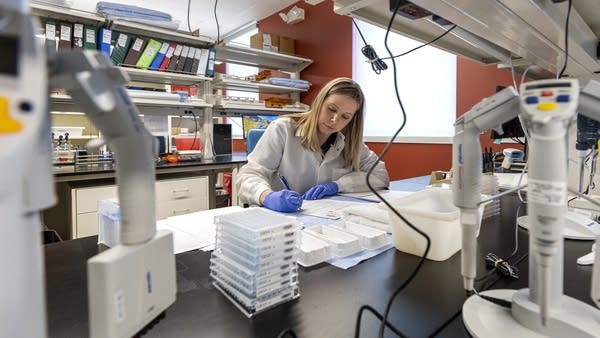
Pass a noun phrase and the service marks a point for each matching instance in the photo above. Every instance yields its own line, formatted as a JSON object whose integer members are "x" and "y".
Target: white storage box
{"x": 109, "y": 222}
{"x": 433, "y": 212}
{"x": 73, "y": 131}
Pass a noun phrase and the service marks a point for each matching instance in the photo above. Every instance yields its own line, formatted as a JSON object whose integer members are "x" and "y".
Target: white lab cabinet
{"x": 173, "y": 197}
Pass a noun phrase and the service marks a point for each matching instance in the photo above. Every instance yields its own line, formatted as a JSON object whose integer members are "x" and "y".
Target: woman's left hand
{"x": 321, "y": 190}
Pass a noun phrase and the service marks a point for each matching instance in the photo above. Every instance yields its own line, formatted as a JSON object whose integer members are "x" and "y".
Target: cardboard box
{"x": 287, "y": 45}
{"x": 265, "y": 41}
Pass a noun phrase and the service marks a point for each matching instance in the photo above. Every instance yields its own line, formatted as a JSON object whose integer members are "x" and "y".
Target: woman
{"x": 313, "y": 154}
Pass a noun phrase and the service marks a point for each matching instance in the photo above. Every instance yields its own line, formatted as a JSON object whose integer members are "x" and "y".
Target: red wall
{"x": 326, "y": 38}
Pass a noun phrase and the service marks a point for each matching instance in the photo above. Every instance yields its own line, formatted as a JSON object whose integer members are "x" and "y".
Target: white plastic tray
{"x": 370, "y": 238}
{"x": 313, "y": 250}
{"x": 342, "y": 243}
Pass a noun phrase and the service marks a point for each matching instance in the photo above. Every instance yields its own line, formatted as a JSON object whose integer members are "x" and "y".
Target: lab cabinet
{"x": 173, "y": 197}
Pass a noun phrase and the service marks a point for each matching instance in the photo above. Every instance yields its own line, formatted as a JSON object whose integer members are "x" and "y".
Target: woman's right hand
{"x": 283, "y": 201}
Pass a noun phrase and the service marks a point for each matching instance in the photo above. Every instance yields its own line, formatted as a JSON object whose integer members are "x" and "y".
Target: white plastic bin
{"x": 109, "y": 222}
{"x": 313, "y": 250}
{"x": 433, "y": 212}
{"x": 342, "y": 243}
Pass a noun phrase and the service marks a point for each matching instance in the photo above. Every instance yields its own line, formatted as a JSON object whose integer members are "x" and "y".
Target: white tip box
{"x": 433, "y": 212}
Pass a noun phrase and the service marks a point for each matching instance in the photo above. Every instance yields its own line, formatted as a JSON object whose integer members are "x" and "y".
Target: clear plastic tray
{"x": 251, "y": 287}
{"x": 246, "y": 273}
{"x": 313, "y": 250}
{"x": 228, "y": 246}
{"x": 370, "y": 238}
{"x": 254, "y": 223}
{"x": 286, "y": 245}
{"x": 266, "y": 240}
{"x": 255, "y": 265}
{"x": 257, "y": 305}
{"x": 342, "y": 243}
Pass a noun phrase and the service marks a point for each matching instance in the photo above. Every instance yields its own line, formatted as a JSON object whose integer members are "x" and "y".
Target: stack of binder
{"x": 254, "y": 261}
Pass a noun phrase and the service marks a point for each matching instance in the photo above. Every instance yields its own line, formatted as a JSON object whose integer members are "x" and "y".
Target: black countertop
{"x": 68, "y": 170}
{"x": 330, "y": 297}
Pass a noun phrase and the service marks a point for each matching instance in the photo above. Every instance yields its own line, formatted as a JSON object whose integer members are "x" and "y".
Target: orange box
{"x": 187, "y": 142}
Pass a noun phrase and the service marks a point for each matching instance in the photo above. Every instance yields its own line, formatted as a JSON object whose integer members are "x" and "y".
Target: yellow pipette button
{"x": 547, "y": 106}
{"x": 7, "y": 123}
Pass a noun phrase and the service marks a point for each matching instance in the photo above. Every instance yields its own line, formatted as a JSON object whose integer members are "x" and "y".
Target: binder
{"x": 134, "y": 51}
{"x": 104, "y": 38}
{"x": 50, "y": 34}
{"x": 155, "y": 65}
{"x": 187, "y": 67}
{"x": 203, "y": 62}
{"x": 182, "y": 58}
{"x": 77, "y": 36}
{"x": 210, "y": 68}
{"x": 89, "y": 37}
{"x": 148, "y": 54}
{"x": 167, "y": 59}
{"x": 175, "y": 58}
{"x": 65, "y": 33}
{"x": 196, "y": 62}
{"x": 121, "y": 47}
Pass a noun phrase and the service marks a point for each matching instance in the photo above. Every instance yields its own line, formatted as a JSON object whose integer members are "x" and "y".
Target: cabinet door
{"x": 84, "y": 217}
{"x": 87, "y": 225}
{"x": 181, "y": 196}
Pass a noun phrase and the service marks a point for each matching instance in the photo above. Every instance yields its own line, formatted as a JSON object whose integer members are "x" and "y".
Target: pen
{"x": 283, "y": 181}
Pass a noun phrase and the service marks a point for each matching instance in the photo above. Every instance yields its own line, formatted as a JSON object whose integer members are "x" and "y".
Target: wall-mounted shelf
{"x": 65, "y": 13}
{"x": 159, "y": 33}
{"x": 153, "y": 76}
{"x": 255, "y": 87}
{"x": 236, "y": 110}
{"x": 244, "y": 55}
{"x": 145, "y": 105}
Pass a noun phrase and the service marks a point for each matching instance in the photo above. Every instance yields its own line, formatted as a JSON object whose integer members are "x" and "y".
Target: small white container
{"x": 433, "y": 212}
{"x": 313, "y": 250}
{"x": 109, "y": 222}
{"x": 342, "y": 243}
{"x": 370, "y": 238}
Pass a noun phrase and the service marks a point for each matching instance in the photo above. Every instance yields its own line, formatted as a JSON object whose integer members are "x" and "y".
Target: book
{"x": 167, "y": 59}
{"x": 89, "y": 37}
{"x": 175, "y": 58}
{"x": 77, "y": 36}
{"x": 65, "y": 33}
{"x": 134, "y": 51}
{"x": 104, "y": 39}
{"x": 182, "y": 58}
{"x": 155, "y": 65}
{"x": 50, "y": 34}
{"x": 121, "y": 47}
{"x": 149, "y": 53}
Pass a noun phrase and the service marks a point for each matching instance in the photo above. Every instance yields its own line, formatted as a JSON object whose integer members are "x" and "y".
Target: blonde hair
{"x": 307, "y": 123}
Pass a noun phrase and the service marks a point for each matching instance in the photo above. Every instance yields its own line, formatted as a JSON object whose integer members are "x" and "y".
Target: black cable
{"x": 287, "y": 332}
{"x": 217, "y": 21}
{"x": 566, "y": 40}
{"x": 369, "y": 173}
{"x": 369, "y": 52}
{"x": 445, "y": 324}
{"x": 423, "y": 45}
{"x": 197, "y": 127}
{"x": 188, "y": 15}
{"x": 378, "y": 315}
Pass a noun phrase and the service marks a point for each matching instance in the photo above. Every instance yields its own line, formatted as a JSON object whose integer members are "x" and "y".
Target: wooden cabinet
{"x": 173, "y": 197}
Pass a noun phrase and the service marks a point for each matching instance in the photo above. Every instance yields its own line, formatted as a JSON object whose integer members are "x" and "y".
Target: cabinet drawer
{"x": 180, "y": 207}
{"x": 87, "y": 224}
{"x": 180, "y": 189}
{"x": 86, "y": 199}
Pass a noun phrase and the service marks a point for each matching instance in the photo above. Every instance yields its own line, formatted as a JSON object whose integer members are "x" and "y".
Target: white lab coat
{"x": 279, "y": 150}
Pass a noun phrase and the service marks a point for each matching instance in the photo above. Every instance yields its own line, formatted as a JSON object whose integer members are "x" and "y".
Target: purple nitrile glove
{"x": 283, "y": 200}
{"x": 321, "y": 190}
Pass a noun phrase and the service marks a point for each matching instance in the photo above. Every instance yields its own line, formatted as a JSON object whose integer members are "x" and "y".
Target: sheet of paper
{"x": 326, "y": 208}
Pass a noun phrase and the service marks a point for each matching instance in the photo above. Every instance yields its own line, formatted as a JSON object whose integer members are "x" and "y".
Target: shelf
{"x": 152, "y": 76}
{"x": 232, "y": 110}
{"x": 71, "y": 14}
{"x": 159, "y": 32}
{"x": 145, "y": 105}
{"x": 65, "y": 13}
{"x": 255, "y": 87}
{"x": 239, "y": 54}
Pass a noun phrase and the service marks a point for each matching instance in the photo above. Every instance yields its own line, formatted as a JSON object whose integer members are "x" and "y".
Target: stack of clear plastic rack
{"x": 254, "y": 261}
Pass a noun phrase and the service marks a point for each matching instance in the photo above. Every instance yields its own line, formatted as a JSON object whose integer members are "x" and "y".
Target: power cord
{"x": 368, "y": 51}
{"x": 421, "y": 46}
{"x": 562, "y": 71}
{"x": 196, "y": 125}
